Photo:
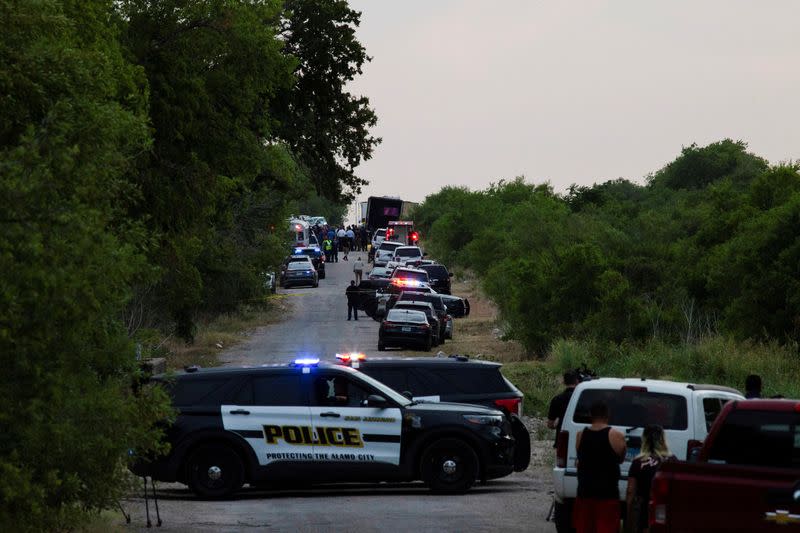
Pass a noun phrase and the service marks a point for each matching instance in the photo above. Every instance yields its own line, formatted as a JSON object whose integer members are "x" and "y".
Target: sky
{"x": 471, "y": 92}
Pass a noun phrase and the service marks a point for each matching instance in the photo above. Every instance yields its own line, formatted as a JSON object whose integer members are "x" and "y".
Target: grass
{"x": 715, "y": 360}
{"x": 222, "y": 332}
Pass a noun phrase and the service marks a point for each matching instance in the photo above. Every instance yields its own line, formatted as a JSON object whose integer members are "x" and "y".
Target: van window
{"x": 758, "y": 438}
{"x": 711, "y": 409}
{"x": 632, "y": 408}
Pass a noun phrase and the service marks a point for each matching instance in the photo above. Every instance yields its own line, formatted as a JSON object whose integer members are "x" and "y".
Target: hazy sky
{"x": 469, "y": 92}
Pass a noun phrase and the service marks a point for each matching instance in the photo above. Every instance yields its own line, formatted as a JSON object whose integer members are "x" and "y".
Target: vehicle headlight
{"x": 484, "y": 420}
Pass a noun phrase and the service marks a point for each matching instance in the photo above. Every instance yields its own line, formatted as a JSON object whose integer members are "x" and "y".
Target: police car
{"x": 320, "y": 423}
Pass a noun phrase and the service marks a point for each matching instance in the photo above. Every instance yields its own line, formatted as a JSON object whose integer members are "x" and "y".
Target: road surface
{"x": 316, "y": 325}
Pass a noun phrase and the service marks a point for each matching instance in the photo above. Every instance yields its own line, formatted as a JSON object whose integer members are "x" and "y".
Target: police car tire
{"x": 381, "y": 347}
{"x": 428, "y": 345}
{"x": 434, "y": 461}
{"x": 206, "y": 456}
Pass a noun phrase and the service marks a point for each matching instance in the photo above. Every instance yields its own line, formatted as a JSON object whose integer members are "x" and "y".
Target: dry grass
{"x": 222, "y": 332}
{"x": 479, "y": 335}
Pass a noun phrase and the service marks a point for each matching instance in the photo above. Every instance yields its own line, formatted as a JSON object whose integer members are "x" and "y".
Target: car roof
{"x": 409, "y": 269}
{"x": 658, "y": 385}
{"x": 456, "y": 361}
{"x": 411, "y": 246}
{"x": 192, "y": 372}
{"x": 299, "y": 256}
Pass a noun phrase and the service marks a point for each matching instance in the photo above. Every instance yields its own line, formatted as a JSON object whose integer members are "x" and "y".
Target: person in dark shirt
{"x": 601, "y": 449}
{"x": 752, "y": 387}
{"x": 352, "y": 300}
{"x": 640, "y": 476}
{"x": 558, "y": 405}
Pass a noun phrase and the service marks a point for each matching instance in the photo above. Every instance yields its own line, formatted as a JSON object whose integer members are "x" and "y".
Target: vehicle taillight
{"x": 659, "y": 492}
{"x": 510, "y": 405}
{"x": 562, "y": 443}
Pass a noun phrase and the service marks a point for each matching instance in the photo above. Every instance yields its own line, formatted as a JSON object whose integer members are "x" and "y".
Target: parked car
{"x": 402, "y": 254}
{"x": 404, "y": 278}
{"x": 403, "y": 328}
{"x": 457, "y": 307}
{"x": 456, "y": 378}
{"x": 299, "y": 273}
{"x": 433, "y": 298}
{"x": 430, "y": 314}
{"x": 685, "y": 411}
{"x": 265, "y": 425}
{"x": 746, "y": 477}
{"x": 378, "y": 237}
{"x": 438, "y": 277}
{"x": 316, "y": 256}
{"x": 384, "y": 252}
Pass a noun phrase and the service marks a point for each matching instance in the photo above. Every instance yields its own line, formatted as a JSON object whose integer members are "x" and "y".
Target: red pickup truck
{"x": 746, "y": 477}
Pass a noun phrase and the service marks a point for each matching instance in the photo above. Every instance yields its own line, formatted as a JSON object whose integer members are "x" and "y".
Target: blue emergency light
{"x": 307, "y": 361}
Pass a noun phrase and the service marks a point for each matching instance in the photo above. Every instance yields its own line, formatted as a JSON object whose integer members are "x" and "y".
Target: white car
{"x": 404, "y": 254}
{"x": 686, "y": 411}
{"x": 379, "y": 237}
{"x": 385, "y": 252}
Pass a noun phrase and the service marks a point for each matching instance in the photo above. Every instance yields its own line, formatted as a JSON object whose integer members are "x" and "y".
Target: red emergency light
{"x": 414, "y": 236}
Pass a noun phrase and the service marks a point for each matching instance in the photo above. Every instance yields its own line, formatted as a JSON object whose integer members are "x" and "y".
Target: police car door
{"x": 272, "y": 414}
{"x": 348, "y": 431}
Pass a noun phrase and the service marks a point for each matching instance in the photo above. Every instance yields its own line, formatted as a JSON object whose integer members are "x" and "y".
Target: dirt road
{"x": 317, "y": 325}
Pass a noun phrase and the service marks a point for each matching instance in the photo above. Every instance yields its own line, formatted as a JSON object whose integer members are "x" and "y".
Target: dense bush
{"x": 710, "y": 245}
{"x": 150, "y": 153}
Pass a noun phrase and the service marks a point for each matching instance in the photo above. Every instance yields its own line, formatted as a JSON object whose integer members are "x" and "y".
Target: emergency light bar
{"x": 403, "y": 282}
{"x": 307, "y": 361}
{"x": 350, "y": 357}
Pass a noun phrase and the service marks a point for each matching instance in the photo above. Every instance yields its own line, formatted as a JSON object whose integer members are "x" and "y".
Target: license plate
{"x": 406, "y": 328}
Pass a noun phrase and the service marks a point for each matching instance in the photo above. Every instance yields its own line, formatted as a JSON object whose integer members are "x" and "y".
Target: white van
{"x": 685, "y": 411}
{"x": 299, "y": 230}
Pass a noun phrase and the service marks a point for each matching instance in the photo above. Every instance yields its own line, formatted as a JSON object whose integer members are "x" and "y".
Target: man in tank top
{"x": 601, "y": 449}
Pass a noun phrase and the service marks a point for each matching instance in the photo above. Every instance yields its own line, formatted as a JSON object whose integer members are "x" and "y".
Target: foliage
{"x": 709, "y": 245}
{"x": 73, "y": 118}
{"x": 147, "y": 168}
{"x": 325, "y": 125}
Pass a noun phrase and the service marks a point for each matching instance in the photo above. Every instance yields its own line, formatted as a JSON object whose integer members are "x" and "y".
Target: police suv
{"x": 314, "y": 423}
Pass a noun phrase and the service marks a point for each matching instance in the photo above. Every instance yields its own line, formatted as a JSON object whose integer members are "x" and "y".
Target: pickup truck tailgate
{"x": 708, "y": 497}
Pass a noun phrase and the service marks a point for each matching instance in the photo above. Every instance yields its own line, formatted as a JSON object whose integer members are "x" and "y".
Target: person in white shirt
{"x": 358, "y": 269}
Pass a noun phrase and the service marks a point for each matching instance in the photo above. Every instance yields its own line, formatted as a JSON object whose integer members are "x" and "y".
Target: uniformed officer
{"x": 352, "y": 300}
{"x": 327, "y": 247}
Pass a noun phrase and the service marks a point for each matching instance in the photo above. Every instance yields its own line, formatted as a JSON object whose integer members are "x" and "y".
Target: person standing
{"x": 327, "y": 248}
{"x": 640, "y": 477}
{"x": 352, "y": 300}
{"x": 752, "y": 387}
{"x": 601, "y": 449}
{"x": 559, "y": 403}
{"x": 336, "y": 249}
{"x": 358, "y": 269}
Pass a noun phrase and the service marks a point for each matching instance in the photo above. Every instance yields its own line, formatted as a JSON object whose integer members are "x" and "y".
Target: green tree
{"x": 326, "y": 126}
{"x": 73, "y": 118}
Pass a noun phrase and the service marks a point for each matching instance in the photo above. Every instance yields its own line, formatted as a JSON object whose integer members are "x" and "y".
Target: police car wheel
{"x": 449, "y": 465}
{"x": 214, "y": 471}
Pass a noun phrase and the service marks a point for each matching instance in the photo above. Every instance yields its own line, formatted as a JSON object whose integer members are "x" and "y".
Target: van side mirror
{"x": 449, "y": 274}
{"x": 408, "y": 394}
{"x": 425, "y": 254}
{"x": 694, "y": 454}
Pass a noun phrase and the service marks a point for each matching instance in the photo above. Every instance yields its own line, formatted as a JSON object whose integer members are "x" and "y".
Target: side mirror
{"x": 376, "y": 400}
{"x": 408, "y": 394}
{"x": 449, "y": 274}
{"x": 425, "y": 254}
{"x": 694, "y": 454}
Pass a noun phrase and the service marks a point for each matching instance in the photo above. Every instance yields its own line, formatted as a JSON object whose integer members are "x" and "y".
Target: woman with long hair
{"x": 640, "y": 476}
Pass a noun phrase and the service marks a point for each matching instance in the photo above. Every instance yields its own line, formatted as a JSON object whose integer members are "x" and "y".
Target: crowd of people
{"x": 342, "y": 239}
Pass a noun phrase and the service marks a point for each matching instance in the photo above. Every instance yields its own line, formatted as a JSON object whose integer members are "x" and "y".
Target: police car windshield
{"x": 386, "y": 391}
{"x": 404, "y": 315}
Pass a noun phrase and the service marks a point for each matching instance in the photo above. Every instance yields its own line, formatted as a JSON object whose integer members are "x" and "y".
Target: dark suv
{"x": 453, "y": 379}
{"x": 320, "y": 423}
{"x": 317, "y": 257}
{"x": 438, "y": 277}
